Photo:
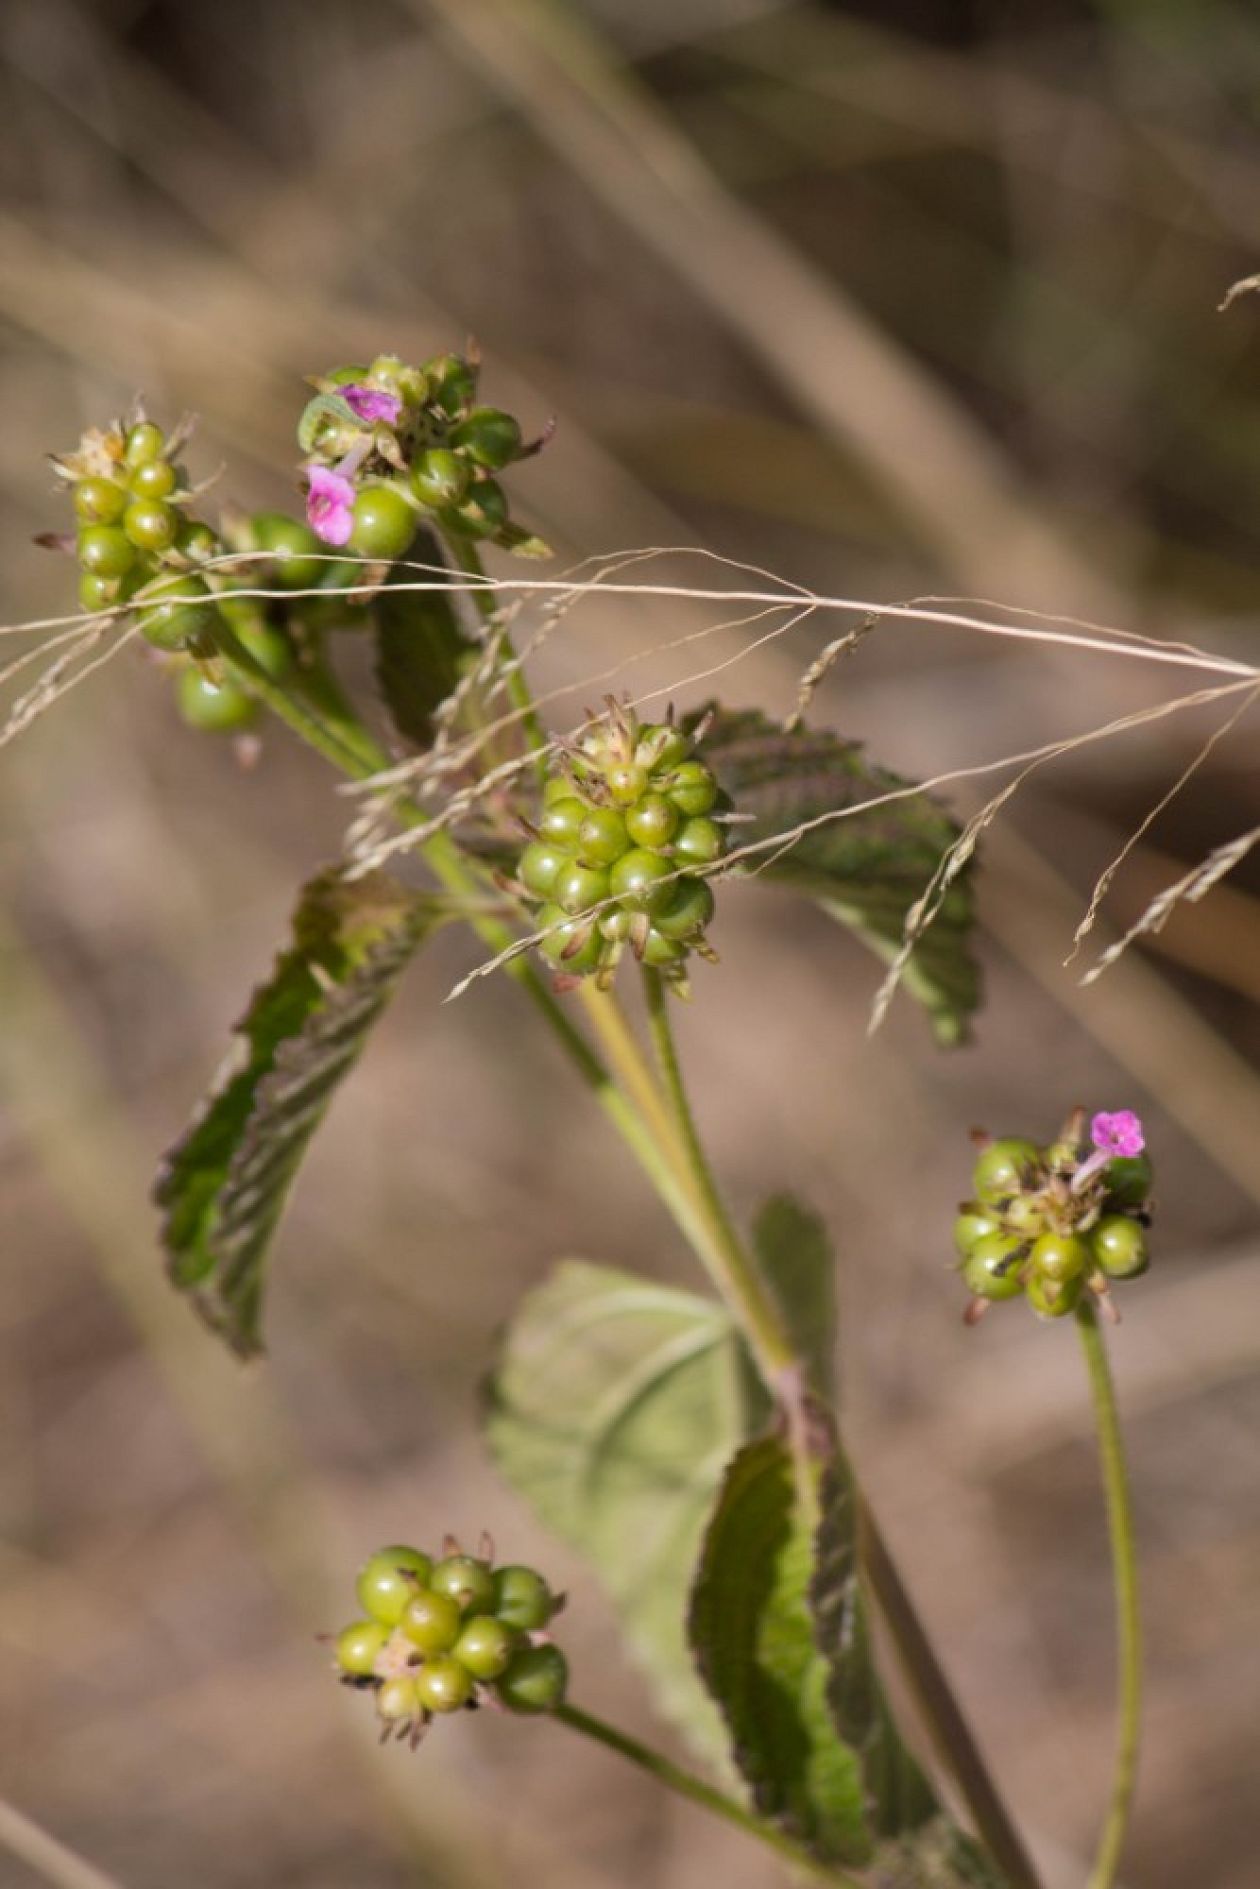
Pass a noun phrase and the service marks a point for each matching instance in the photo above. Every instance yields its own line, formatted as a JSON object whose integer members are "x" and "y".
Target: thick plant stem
{"x": 697, "y": 1792}
{"x": 1128, "y": 1610}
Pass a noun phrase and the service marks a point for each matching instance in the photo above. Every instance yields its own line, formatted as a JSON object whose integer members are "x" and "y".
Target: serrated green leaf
{"x": 223, "y": 1185}
{"x": 794, "y": 1253}
{"x": 865, "y": 869}
{"x": 753, "y": 1633}
{"x": 614, "y": 1407}
{"x": 422, "y": 650}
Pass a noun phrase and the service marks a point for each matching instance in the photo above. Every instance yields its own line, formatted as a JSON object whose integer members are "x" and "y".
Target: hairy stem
{"x": 696, "y": 1791}
{"x": 1128, "y": 1611}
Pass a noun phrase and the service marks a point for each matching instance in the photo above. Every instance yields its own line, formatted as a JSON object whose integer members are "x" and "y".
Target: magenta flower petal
{"x": 1118, "y": 1134}
{"x": 371, "y": 403}
{"x": 328, "y": 500}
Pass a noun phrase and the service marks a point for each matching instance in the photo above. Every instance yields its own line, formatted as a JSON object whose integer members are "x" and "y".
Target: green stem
{"x": 729, "y": 1265}
{"x": 696, "y": 1791}
{"x": 1128, "y": 1611}
{"x": 468, "y": 559}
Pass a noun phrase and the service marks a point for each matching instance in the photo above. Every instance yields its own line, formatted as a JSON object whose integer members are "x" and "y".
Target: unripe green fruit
{"x": 389, "y": 1579}
{"x": 383, "y": 524}
{"x": 992, "y": 1268}
{"x": 1060, "y": 1257}
{"x": 1060, "y": 1157}
{"x": 195, "y": 539}
{"x": 489, "y": 436}
{"x": 397, "y": 1700}
{"x": 175, "y": 612}
{"x": 562, "y": 933}
{"x": 151, "y": 524}
{"x": 157, "y": 478}
{"x": 627, "y": 783}
{"x": 105, "y": 551}
{"x": 483, "y": 511}
{"x": 443, "y": 1685}
{"x": 556, "y": 787}
{"x": 1128, "y": 1180}
{"x": 453, "y": 381}
{"x": 522, "y": 1598}
{"x": 358, "y": 1646}
{"x": 143, "y": 443}
{"x": 97, "y": 593}
{"x": 578, "y": 887}
{"x": 485, "y": 1647}
{"x": 535, "y": 1681}
{"x": 216, "y": 708}
{"x": 1003, "y": 1168}
{"x": 431, "y": 1621}
{"x": 652, "y": 821}
{"x": 294, "y": 548}
{"x": 538, "y": 865}
{"x": 661, "y": 747}
{"x": 100, "y": 501}
{"x": 1024, "y": 1214}
{"x": 659, "y": 951}
{"x": 973, "y": 1224}
{"x": 602, "y": 837}
{"x": 1051, "y": 1299}
{"x": 637, "y": 876}
{"x": 439, "y": 478}
{"x": 692, "y": 788}
{"x": 1118, "y": 1245}
{"x": 562, "y": 820}
{"x": 616, "y": 924}
{"x": 690, "y": 912}
{"x": 699, "y": 842}
{"x": 348, "y": 376}
{"x": 468, "y": 1581}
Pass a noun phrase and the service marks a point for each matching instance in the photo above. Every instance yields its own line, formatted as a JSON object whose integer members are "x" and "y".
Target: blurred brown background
{"x": 891, "y": 298}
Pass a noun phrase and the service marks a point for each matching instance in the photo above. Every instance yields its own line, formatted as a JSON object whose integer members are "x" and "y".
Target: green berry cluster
{"x": 418, "y": 447}
{"x": 441, "y": 1634}
{"x": 626, "y": 827}
{"x": 135, "y": 542}
{"x": 1050, "y": 1223}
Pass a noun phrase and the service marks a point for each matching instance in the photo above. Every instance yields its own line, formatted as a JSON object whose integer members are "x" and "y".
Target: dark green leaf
{"x": 614, "y": 1408}
{"x": 223, "y": 1185}
{"x": 753, "y": 1632}
{"x": 866, "y": 868}
{"x": 795, "y": 1256}
{"x": 422, "y": 651}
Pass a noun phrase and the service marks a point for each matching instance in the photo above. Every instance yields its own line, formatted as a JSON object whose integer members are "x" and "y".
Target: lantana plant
{"x": 685, "y": 1442}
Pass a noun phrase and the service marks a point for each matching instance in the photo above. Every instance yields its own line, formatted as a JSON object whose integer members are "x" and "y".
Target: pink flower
{"x": 329, "y": 497}
{"x": 371, "y": 403}
{"x": 1118, "y": 1134}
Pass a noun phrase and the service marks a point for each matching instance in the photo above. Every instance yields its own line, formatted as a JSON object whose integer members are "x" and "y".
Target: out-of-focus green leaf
{"x": 794, "y": 1252}
{"x": 866, "y": 868}
{"x": 614, "y": 1408}
{"x": 422, "y": 650}
{"x": 223, "y": 1185}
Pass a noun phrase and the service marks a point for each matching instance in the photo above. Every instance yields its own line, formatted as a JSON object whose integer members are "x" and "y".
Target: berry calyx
{"x": 105, "y": 551}
{"x": 1060, "y": 1257}
{"x": 992, "y": 1267}
{"x": 973, "y": 1224}
{"x": 1128, "y": 1180}
{"x": 489, "y": 436}
{"x": 100, "y": 501}
{"x": 440, "y": 478}
{"x": 151, "y": 524}
{"x": 294, "y": 547}
{"x": 176, "y": 612}
{"x": 157, "y": 478}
